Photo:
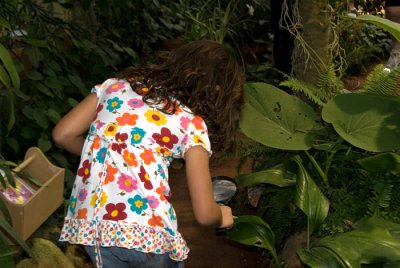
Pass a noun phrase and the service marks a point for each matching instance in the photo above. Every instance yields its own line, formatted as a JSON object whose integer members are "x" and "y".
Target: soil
{"x": 206, "y": 248}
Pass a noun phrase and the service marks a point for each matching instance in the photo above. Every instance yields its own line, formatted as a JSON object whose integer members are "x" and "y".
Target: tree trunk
{"x": 312, "y": 52}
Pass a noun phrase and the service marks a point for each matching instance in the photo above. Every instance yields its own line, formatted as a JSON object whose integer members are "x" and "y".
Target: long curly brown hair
{"x": 205, "y": 77}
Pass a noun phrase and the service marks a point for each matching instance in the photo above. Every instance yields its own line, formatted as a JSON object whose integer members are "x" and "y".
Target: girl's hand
{"x": 227, "y": 217}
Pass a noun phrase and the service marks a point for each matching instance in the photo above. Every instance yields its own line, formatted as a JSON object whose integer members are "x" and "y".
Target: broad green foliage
{"x": 309, "y": 198}
{"x": 277, "y": 119}
{"x": 392, "y": 27}
{"x": 367, "y": 121}
{"x": 370, "y": 122}
{"x": 385, "y": 162}
{"x": 253, "y": 231}
{"x": 373, "y": 241}
{"x": 276, "y": 176}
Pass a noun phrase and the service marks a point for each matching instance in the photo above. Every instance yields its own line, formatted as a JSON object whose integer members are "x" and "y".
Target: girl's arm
{"x": 70, "y": 129}
{"x": 206, "y": 211}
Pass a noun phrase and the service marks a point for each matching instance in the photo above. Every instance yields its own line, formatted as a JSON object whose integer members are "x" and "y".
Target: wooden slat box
{"x": 28, "y": 217}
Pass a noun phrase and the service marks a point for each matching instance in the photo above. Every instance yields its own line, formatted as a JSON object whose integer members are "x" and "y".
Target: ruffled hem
{"x": 121, "y": 234}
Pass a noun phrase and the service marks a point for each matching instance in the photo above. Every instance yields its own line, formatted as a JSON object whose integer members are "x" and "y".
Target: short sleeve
{"x": 196, "y": 135}
{"x": 100, "y": 88}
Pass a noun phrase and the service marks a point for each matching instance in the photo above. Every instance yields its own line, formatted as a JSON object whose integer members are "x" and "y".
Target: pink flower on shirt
{"x": 185, "y": 122}
{"x": 135, "y": 103}
{"x": 126, "y": 183}
{"x": 115, "y": 87}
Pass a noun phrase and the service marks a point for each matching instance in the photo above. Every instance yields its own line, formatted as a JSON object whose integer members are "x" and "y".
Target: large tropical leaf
{"x": 309, "y": 197}
{"x": 253, "y": 231}
{"x": 384, "y": 162}
{"x": 277, "y": 119}
{"x": 367, "y": 121}
{"x": 277, "y": 176}
{"x": 390, "y": 26}
{"x": 373, "y": 241}
{"x": 6, "y": 59}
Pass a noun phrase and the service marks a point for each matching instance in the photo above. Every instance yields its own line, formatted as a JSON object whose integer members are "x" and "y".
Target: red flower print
{"x": 127, "y": 119}
{"x": 115, "y": 212}
{"x": 110, "y": 174}
{"x": 84, "y": 171}
{"x": 120, "y": 138}
{"x": 118, "y": 147}
{"x": 147, "y": 156}
{"x": 198, "y": 122}
{"x": 82, "y": 213}
{"x": 145, "y": 178}
{"x": 155, "y": 221}
{"x": 166, "y": 138}
{"x": 98, "y": 110}
{"x": 130, "y": 158}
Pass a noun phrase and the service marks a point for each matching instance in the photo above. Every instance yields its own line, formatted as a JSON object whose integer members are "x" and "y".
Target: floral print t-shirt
{"x": 121, "y": 193}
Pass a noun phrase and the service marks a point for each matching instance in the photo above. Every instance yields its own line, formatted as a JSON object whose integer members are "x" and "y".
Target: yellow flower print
{"x": 103, "y": 199}
{"x": 156, "y": 117}
{"x": 93, "y": 200}
{"x": 198, "y": 139}
{"x": 111, "y": 129}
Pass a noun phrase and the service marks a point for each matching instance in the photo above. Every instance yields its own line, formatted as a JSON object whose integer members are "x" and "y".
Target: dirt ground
{"x": 206, "y": 248}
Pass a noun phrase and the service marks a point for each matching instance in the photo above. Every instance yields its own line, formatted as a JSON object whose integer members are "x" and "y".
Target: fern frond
{"x": 309, "y": 90}
{"x": 382, "y": 195}
{"x": 381, "y": 82}
{"x": 329, "y": 84}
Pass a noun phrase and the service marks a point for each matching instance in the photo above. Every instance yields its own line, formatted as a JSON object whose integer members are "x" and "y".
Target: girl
{"x": 119, "y": 208}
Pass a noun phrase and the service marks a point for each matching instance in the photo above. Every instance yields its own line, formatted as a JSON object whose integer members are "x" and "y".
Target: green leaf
{"x": 77, "y": 81}
{"x": 34, "y": 42}
{"x": 34, "y": 75}
{"x": 5, "y": 213}
{"x": 309, "y": 197}
{"x": 276, "y": 176}
{"x": 72, "y": 102}
{"x": 6, "y": 254}
{"x": 13, "y": 143}
{"x": 4, "y": 23}
{"x": 373, "y": 241}
{"x": 41, "y": 119}
{"x": 11, "y": 110}
{"x": 253, "y": 231}
{"x": 9, "y": 66}
{"x": 277, "y": 119}
{"x": 390, "y": 26}
{"x": 53, "y": 115}
{"x": 4, "y": 77}
{"x": 53, "y": 83}
{"x": 384, "y": 162}
{"x": 367, "y": 121}
{"x": 44, "y": 144}
{"x": 11, "y": 231}
{"x": 45, "y": 90}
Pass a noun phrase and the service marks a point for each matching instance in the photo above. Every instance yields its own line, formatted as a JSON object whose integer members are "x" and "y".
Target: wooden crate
{"x": 28, "y": 217}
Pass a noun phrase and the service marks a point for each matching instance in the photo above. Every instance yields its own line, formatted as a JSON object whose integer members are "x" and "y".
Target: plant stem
{"x": 308, "y": 233}
{"x": 318, "y": 168}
